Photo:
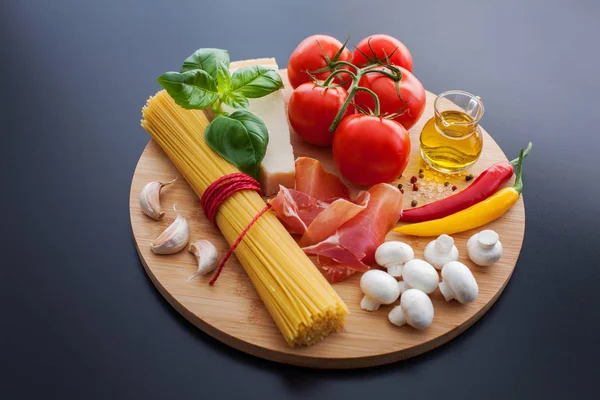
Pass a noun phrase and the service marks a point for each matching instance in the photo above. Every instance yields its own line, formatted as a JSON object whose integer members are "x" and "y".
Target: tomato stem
{"x": 333, "y": 66}
{"x": 375, "y": 97}
{"x": 338, "y": 72}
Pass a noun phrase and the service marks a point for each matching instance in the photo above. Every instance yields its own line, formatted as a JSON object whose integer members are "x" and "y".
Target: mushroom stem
{"x": 487, "y": 239}
{"x": 395, "y": 269}
{"x": 370, "y": 304}
{"x": 403, "y": 286}
{"x": 443, "y": 244}
{"x": 397, "y": 317}
{"x": 446, "y": 291}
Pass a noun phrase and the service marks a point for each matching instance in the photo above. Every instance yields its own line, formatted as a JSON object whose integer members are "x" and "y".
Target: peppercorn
{"x": 414, "y": 203}
{"x": 446, "y": 183}
{"x": 421, "y": 170}
{"x": 454, "y": 188}
{"x": 468, "y": 177}
{"x": 399, "y": 186}
{"x": 402, "y": 191}
{"x": 415, "y": 187}
{"x": 413, "y": 179}
{"x": 421, "y": 175}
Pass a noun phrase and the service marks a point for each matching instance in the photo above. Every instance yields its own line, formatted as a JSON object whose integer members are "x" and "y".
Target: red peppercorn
{"x": 454, "y": 188}
{"x": 415, "y": 187}
{"x": 402, "y": 191}
{"x": 413, "y": 179}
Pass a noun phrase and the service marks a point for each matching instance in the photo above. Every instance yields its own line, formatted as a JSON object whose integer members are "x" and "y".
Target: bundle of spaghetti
{"x": 302, "y": 303}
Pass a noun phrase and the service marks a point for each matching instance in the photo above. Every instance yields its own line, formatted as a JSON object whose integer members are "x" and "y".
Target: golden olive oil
{"x": 451, "y": 141}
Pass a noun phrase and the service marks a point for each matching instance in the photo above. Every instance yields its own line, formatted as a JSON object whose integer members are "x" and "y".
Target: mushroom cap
{"x": 420, "y": 275}
{"x": 461, "y": 280}
{"x": 393, "y": 252}
{"x": 417, "y": 308}
{"x": 433, "y": 255}
{"x": 484, "y": 248}
{"x": 380, "y": 285}
{"x": 487, "y": 238}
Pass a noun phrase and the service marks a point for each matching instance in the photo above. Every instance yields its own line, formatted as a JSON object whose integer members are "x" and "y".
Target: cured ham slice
{"x": 354, "y": 243}
{"x": 295, "y": 209}
{"x": 333, "y": 271}
{"x": 330, "y": 219}
{"x": 314, "y": 181}
{"x": 342, "y": 234}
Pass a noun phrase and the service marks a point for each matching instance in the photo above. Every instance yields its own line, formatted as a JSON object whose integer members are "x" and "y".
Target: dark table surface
{"x": 82, "y": 320}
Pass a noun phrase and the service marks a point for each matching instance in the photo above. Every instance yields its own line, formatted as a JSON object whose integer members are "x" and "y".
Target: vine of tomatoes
{"x": 361, "y": 104}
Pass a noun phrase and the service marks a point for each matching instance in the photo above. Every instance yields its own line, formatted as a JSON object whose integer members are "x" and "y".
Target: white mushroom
{"x": 403, "y": 286}
{"x": 393, "y": 255}
{"x": 419, "y": 274}
{"x": 484, "y": 248}
{"x": 441, "y": 251}
{"x": 458, "y": 283}
{"x": 415, "y": 309}
{"x": 378, "y": 288}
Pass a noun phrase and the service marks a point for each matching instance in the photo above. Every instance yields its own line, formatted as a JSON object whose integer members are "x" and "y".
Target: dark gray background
{"x": 82, "y": 320}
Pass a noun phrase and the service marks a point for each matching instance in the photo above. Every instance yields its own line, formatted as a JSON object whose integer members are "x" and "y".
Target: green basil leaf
{"x": 193, "y": 89}
{"x": 256, "y": 81}
{"x": 236, "y": 100}
{"x": 206, "y": 59}
{"x": 223, "y": 78}
{"x": 241, "y": 138}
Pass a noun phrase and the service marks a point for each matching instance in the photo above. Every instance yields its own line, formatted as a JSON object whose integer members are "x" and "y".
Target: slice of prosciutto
{"x": 332, "y": 270}
{"x": 354, "y": 243}
{"x": 295, "y": 209}
{"x": 327, "y": 222}
{"x": 314, "y": 181}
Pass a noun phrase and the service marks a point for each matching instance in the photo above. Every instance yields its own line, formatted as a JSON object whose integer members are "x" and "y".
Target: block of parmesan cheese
{"x": 277, "y": 168}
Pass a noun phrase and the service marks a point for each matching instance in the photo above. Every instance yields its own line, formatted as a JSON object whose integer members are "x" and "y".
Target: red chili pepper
{"x": 486, "y": 184}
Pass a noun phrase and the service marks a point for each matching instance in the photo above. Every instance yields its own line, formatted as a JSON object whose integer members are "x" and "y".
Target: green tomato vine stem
{"x": 354, "y": 88}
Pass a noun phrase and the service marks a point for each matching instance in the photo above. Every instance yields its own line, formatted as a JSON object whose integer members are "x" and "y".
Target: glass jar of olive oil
{"x": 451, "y": 141}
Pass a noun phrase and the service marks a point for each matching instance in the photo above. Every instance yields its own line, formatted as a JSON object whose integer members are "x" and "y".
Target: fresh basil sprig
{"x": 191, "y": 89}
{"x": 206, "y": 59}
{"x": 205, "y": 81}
{"x": 255, "y": 81}
{"x": 241, "y": 138}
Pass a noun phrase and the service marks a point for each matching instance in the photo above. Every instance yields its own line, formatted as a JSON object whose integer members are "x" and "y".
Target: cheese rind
{"x": 277, "y": 168}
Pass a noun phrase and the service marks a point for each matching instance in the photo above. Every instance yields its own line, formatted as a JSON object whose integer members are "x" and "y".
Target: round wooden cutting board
{"x": 232, "y": 312}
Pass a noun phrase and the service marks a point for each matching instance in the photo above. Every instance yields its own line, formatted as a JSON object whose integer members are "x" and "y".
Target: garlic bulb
{"x": 173, "y": 239}
{"x": 206, "y": 254}
{"x": 150, "y": 199}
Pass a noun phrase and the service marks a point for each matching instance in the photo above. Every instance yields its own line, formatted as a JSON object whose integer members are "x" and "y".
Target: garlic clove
{"x": 206, "y": 254}
{"x": 150, "y": 199}
{"x": 173, "y": 239}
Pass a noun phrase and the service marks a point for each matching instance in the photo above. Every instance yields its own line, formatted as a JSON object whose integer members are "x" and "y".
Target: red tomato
{"x": 312, "y": 109}
{"x": 410, "y": 103}
{"x": 369, "y": 150}
{"x": 308, "y": 56}
{"x": 376, "y": 47}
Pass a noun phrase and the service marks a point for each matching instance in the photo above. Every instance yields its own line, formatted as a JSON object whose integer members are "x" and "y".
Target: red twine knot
{"x": 216, "y": 194}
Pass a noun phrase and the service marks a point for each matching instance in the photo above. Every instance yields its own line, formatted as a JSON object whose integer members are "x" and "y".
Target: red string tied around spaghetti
{"x": 216, "y": 194}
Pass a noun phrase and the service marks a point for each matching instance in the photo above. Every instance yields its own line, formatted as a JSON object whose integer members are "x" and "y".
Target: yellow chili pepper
{"x": 475, "y": 216}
